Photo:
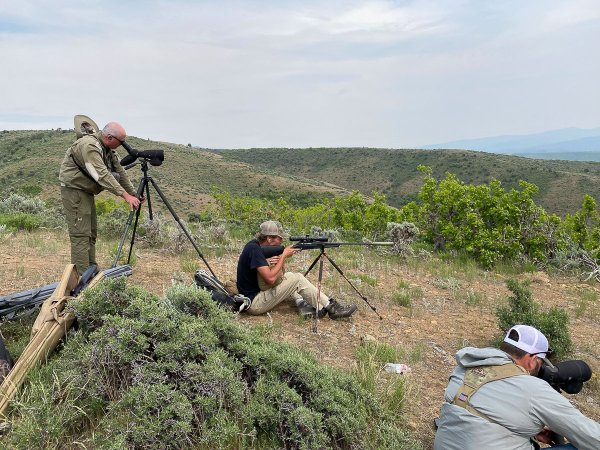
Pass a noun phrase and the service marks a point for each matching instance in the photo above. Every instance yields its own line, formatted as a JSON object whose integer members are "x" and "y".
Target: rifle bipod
{"x": 321, "y": 258}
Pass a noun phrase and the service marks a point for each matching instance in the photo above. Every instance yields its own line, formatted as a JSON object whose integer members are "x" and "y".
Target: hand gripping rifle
{"x": 321, "y": 243}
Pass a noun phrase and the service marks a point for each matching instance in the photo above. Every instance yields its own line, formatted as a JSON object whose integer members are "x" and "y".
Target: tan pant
{"x": 293, "y": 283}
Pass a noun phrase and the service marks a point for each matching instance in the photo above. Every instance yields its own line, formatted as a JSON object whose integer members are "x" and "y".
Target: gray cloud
{"x": 257, "y": 74}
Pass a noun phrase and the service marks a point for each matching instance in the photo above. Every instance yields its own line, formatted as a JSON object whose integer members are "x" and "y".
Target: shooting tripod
{"x": 144, "y": 186}
{"x": 321, "y": 257}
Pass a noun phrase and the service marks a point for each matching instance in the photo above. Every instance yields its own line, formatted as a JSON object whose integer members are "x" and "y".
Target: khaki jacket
{"x": 99, "y": 162}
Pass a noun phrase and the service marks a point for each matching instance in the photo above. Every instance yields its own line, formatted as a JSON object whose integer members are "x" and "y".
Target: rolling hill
{"x": 30, "y": 161}
{"x": 394, "y": 172}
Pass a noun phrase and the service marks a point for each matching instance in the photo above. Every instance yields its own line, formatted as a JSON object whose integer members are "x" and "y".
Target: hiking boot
{"x": 307, "y": 311}
{"x": 338, "y": 311}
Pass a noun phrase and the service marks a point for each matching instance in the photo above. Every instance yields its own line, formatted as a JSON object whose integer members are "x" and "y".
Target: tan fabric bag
{"x": 262, "y": 284}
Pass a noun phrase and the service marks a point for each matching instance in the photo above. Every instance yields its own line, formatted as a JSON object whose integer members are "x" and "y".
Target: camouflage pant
{"x": 80, "y": 212}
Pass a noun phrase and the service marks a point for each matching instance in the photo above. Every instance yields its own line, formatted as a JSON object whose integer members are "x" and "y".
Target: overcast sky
{"x": 265, "y": 73}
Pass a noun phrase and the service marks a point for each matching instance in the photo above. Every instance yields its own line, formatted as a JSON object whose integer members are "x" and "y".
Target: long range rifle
{"x": 313, "y": 243}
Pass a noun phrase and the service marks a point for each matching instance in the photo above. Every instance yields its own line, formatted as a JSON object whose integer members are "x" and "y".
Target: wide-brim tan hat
{"x": 84, "y": 125}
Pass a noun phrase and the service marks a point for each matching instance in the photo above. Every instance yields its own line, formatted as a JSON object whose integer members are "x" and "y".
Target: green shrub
{"x": 20, "y": 221}
{"x": 522, "y": 309}
{"x": 214, "y": 385}
{"x": 583, "y": 227}
{"x": 30, "y": 189}
{"x": 402, "y": 298}
{"x": 111, "y": 297}
{"x": 108, "y": 204}
{"x": 58, "y": 417}
{"x": 158, "y": 417}
{"x": 16, "y": 203}
{"x": 402, "y": 235}
{"x": 277, "y": 410}
{"x": 142, "y": 372}
{"x": 190, "y": 300}
{"x": 353, "y": 213}
{"x": 486, "y": 221}
{"x": 21, "y": 212}
{"x": 387, "y": 435}
{"x": 111, "y": 223}
{"x": 223, "y": 432}
{"x": 189, "y": 341}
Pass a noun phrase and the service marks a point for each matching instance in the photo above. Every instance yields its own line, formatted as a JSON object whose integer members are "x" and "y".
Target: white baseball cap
{"x": 530, "y": 340}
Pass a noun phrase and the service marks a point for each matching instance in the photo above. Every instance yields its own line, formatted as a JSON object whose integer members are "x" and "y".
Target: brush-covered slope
{"x": 394, "y": 172}
{"x": 30, "y": 161}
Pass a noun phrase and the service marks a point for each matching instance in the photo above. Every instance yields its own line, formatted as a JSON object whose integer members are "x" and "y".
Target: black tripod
{"x": 144, "y": 186}
{"x": 321, "y": 258}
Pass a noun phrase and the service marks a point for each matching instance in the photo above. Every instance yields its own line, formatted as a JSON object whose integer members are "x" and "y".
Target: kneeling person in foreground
{"x": 282, "y": 285}
{"x": 492, "y": 402}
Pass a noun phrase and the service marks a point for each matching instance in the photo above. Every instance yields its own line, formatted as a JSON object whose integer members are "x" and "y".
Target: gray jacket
{"x": 521, "y": 406}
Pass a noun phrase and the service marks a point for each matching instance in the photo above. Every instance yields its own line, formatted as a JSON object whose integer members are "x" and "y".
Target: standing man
{"x": 492, "y": 402}
{"x": 90, "y": 166}
{"x": 252, "y": 264}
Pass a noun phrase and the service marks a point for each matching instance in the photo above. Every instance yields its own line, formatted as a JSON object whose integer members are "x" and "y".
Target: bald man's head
{"x": 113, "y": 134}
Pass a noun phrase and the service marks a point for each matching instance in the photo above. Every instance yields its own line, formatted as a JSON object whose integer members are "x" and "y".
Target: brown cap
{"x": 272, "y": 228}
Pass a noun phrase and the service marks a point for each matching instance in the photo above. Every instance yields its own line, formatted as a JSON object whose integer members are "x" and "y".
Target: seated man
{"x": 253, "y": 263}
{"x": 492, "y": 402}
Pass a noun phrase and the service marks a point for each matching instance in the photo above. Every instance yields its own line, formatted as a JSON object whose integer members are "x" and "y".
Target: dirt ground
{"x": 440, "y": 321}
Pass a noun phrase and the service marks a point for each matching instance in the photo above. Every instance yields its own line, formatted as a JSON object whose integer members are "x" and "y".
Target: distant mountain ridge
{"x": 556, "y": 141}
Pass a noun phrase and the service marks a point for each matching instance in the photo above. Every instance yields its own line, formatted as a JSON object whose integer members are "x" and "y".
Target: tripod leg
{"x": 319, "y": 283}
{"x": 312, "y": 265}
{"x": 135, "y": 224}
{"x": 141, "y": 186}
{"x": 366, "y": 300}
{"x": 150, "y": 215}
{"x": 187, "y": 233}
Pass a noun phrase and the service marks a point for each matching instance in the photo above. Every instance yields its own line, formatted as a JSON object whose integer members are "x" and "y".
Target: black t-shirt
{"x": 250, "y": 259}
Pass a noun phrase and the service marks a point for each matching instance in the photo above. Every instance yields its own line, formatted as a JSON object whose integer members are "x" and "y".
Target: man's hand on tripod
{"x": 133, "y": 201}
